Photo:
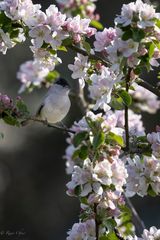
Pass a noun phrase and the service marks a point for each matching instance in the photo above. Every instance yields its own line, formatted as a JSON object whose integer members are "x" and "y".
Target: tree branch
{"x": 149, "y": 87}
{"x": 44, "y": 122}
{"x": 127, "y": 80}
{"x": 90, "y": 56}
{"x": 139, "y": 224}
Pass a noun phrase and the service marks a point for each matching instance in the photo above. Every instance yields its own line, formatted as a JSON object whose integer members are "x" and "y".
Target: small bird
{"x": 56, "y": 103}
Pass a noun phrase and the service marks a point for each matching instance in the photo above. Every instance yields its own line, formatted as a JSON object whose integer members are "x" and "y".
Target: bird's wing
{"x": 38, "y": 113}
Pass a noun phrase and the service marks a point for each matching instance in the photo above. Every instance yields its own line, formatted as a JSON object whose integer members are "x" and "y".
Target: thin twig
{"x": 90, "y": 56}
{"x": 139, "y": 224}
{"x": 126, "y": 112}
{"x": 149, "y": 87}
{"x": 98, "y": 58}
{"x": 44, "y": 122}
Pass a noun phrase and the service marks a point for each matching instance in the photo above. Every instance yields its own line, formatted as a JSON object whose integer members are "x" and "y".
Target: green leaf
{"x": 11, "y": 120}
{"x": 76, "y": 154}
{"x": 126, "y": 221}
{"x": 62, "y": 48}
{"x": 87, "y": 47}
{"x": 157, "y": 45}
{"x": 22, "y": 108}
{"x": 126, "y": 97}
{"x": 4, "y": 20}
{"x": 142, "y": 139}
{"x": 83, "y": 152}
{"x": 103, "y": 238}
{"x": 67, "y": 42}
{"x": 151, "y": 192}
{"x": 98, "y": 140}
{"x": 90, "y": 123}
{"x": 79, "y": 137}
{"x": 110, "y": 224}
{"x": 138, "y": 34}
{"x": 117, "y": 103}
{"x": 96, "y": 24}
{"x": 52, "y": 76}
{"x": 77, "y": 190}
{"x": 14, "y": 33}
{"x": 137, "y": 70}
{"x": 127, "y": 35}
{"x": 151, "y": 50}
{"x": 116, "y": 138}
{"x": 158, "y": 23}
{"x": 111, "y": 236}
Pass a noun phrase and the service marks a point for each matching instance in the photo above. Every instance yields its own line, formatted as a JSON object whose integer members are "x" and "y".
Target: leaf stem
{"x": 90, "y": 56}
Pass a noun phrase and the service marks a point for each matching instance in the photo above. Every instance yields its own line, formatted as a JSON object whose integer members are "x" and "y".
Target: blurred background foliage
{"x": 32, "y": 169}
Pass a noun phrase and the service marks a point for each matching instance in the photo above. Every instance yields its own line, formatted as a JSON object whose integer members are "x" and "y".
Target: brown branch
{"x": 90, "y": 56}
{"x": 139, "y": 224}
{"x": 149, "y": 87}
{"x": 127, "y": 81}
{"x": 45, "y": 123}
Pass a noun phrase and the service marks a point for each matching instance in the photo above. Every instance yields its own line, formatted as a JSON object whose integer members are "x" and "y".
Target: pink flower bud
{"x": 77, "y": 38}
{"x": 6, "y": 100}
{"x": 143, "y": 51}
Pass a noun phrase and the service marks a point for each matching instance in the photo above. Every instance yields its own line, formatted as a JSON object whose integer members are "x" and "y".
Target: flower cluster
{"x": 132, "y": 44}
{"x": 99, "y": 176}
{"x": 86, "y": 8}
{"x": 82, "y": 231}
{"x": 136, "y": 127}
{"x": 135, "y": 38}
{"x": 154, "y": 139}
{"x": 100, "y": 82}
{"x": 35, "y": 73}
{"x": 144, "y": 99}
{"x": 143, "y": 176}
{"x": 47, "y": 31}
{"x": 151, "y": 234}
{"x": 109, "y": 154}
{"x": 11, "y": 112}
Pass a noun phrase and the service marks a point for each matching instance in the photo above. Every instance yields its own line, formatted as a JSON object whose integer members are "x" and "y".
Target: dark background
{"x": 33, "y": 201}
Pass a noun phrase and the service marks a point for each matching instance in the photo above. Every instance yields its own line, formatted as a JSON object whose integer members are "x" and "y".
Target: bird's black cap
{"x": 62, "y": 82}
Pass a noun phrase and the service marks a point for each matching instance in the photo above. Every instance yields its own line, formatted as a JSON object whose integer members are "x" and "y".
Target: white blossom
{"x": 80, "y": 68}
{"x": 31, "y": 73}
{"x": 142, "y": 12}
{"x": 101, "y": 87}
{"x": 83, "y": 231}
{"x": 104, "y": 38}
{"x": 145, "y": 100}
{"x": 143, "y": 173}
{"x": 154, "y": 139}
{"x": 135, "y": 122}
{"x": 40, "y": 34}
{"x": 5, "y": 42}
